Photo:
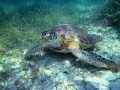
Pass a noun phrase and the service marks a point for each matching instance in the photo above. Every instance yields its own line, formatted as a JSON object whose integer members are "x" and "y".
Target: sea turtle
{"x": 69, "y": 38}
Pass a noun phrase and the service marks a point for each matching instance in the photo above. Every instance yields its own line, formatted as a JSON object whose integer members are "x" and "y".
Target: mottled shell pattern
{"x": 71, "y": 33}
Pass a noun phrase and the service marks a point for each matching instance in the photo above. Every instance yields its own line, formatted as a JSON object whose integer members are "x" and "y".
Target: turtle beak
{"x": 42, "y": 39}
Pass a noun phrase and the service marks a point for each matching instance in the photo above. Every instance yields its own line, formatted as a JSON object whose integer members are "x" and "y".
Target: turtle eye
{"x": 46, "y": 35}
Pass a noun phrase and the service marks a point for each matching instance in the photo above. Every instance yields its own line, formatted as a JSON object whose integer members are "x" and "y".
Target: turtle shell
{"x": 71, "y": 32}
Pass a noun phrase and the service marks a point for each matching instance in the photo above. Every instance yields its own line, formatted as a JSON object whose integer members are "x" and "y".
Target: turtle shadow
{"x": 51, "y": 57}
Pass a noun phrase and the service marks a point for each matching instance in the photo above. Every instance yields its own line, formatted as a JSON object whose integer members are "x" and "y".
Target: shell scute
{"x": 63, "y": 36}
{"x": 71, "y": 37}
{"x": 71, "y": 32}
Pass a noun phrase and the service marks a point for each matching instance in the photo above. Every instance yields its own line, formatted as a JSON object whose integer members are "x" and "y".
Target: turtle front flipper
{"x": 94, "y": 59}
{"x": 34, "y": 49}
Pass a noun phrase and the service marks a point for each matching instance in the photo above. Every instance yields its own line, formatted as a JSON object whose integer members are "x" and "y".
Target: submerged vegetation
{"x": 19, "y": 21}
{"x": 110, "y": 13}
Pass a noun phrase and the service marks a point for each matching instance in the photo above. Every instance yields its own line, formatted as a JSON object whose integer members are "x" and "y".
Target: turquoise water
{"x": 21, "y": 25}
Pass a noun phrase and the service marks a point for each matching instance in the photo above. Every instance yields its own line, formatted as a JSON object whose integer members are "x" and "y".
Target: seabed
{"x": 49, "y": 70}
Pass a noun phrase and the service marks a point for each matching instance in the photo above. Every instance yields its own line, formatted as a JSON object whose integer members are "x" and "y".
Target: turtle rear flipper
{"x": 96, "y": 38}
{"x": 34, "y": 49}
{"x": 94, "y": 59}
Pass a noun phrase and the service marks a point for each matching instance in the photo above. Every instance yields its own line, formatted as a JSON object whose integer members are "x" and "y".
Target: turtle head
{"x": 49, "y": 36}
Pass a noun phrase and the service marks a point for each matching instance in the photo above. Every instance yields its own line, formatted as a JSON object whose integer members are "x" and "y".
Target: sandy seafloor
{"x": 49, "y": 70}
